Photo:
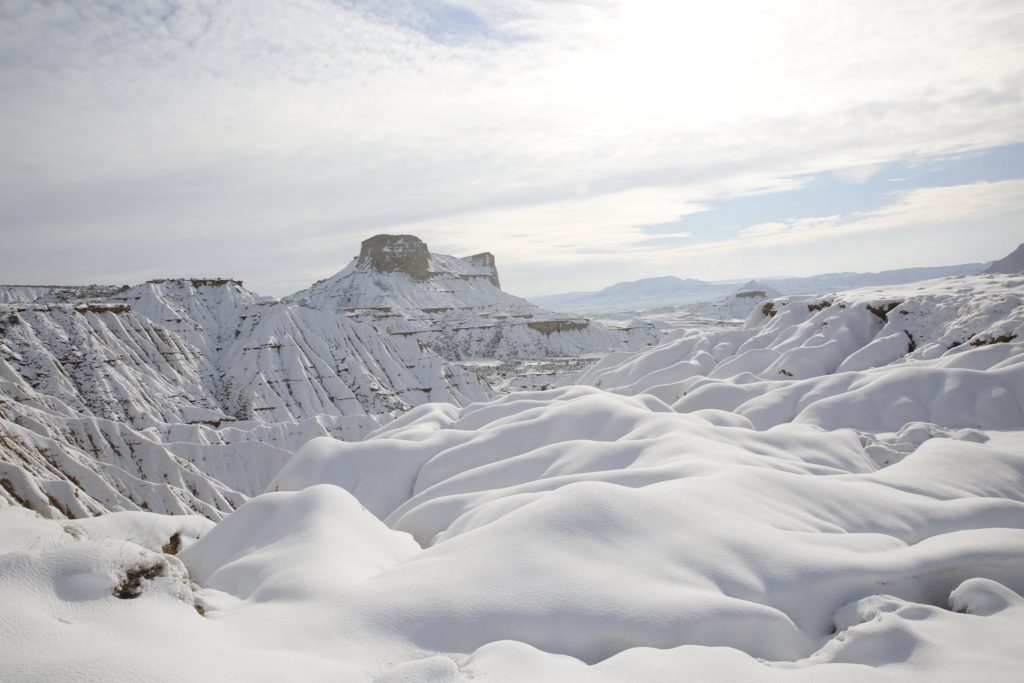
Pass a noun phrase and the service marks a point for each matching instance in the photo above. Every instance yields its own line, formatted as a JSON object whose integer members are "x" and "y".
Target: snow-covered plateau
{"x": 833, "y": 491}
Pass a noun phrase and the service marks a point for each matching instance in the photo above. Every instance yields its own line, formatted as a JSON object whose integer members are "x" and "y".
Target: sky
{"x": 583, "y": 142}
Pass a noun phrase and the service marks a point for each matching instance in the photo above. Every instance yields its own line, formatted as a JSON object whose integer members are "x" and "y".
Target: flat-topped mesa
{"x": 485, "y": 261}
{"x": 397, "y": 254}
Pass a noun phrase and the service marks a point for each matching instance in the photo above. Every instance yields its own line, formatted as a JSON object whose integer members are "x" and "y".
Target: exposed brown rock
{"x": 551, "y": 326}
{"x": 397, "y": 254}
{"x": 103, "y": 308}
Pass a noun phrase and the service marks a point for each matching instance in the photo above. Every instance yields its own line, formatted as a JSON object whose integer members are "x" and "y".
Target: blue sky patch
{"x": 830, "y": 193}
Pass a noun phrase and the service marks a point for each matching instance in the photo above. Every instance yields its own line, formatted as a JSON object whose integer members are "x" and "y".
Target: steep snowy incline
{"x": 564, "y": 535}
{"x": 455, "y": 306}
{"x": 175, "y": 381}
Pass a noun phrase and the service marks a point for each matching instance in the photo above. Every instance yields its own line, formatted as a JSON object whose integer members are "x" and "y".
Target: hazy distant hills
{"x": 656, "y": 292}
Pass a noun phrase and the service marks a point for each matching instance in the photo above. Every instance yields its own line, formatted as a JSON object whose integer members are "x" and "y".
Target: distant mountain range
{"x": 657, "y": 292}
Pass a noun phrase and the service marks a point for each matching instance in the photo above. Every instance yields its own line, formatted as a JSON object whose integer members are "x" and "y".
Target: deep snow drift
{"x": 833, "y": 492}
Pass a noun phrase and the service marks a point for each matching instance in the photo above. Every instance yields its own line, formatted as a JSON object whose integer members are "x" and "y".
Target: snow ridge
{"x": 188, "y": 395}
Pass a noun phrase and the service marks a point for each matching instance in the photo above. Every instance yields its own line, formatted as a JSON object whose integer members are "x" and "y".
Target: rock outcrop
{"x": 397, "y": 254}
{"x": 455, "y": 307}
{"x": 553, "y": 326}
{"x": 485, "y": 261}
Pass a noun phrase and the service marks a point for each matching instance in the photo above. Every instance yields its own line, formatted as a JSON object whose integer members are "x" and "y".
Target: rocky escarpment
{"x": 485, "y": 262}
{"x": 396, "y": 254}
{"x": 553, "y": 326}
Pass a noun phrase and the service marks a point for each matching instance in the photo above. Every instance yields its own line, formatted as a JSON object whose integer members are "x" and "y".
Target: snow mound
{"x": 573, "y": 534}
{"x": 946, "y": 352}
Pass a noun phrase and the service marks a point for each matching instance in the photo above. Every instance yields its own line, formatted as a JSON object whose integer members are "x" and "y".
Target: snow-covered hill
{"x": 187, "y": 395}
{"x": 1011, "y": 263}
{"x": 834, "y": 491}
{"x": 945, "y": 351}
{"x": 569, "y": 535}
{"x": 456, "y": 307}
{"x": 641, "y": 294}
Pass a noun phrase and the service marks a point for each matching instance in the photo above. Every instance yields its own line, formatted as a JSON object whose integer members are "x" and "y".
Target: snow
{"x": 919, "y": 337}
{"x": 1012, "y": 263}
{"x": 186, "y": 396}
{"x": 460, "y": 313}
{"x": 688, "y": 510}
{"x": 567, "y": 533}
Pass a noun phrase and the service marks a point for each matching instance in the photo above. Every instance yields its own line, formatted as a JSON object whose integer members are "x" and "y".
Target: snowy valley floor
{"x": 700, "y": 516}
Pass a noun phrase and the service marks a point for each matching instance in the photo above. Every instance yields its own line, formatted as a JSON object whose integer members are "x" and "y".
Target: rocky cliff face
{"x": 396, "y": 254}
{"x": 485, "y": 261}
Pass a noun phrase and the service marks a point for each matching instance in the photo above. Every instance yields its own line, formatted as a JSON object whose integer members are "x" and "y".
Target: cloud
{"x": 974, "y": 222}
{"x": 171, "y": 136}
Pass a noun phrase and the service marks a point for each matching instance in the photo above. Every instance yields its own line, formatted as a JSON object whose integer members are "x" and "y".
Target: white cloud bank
{"x": 266, "y": 139}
